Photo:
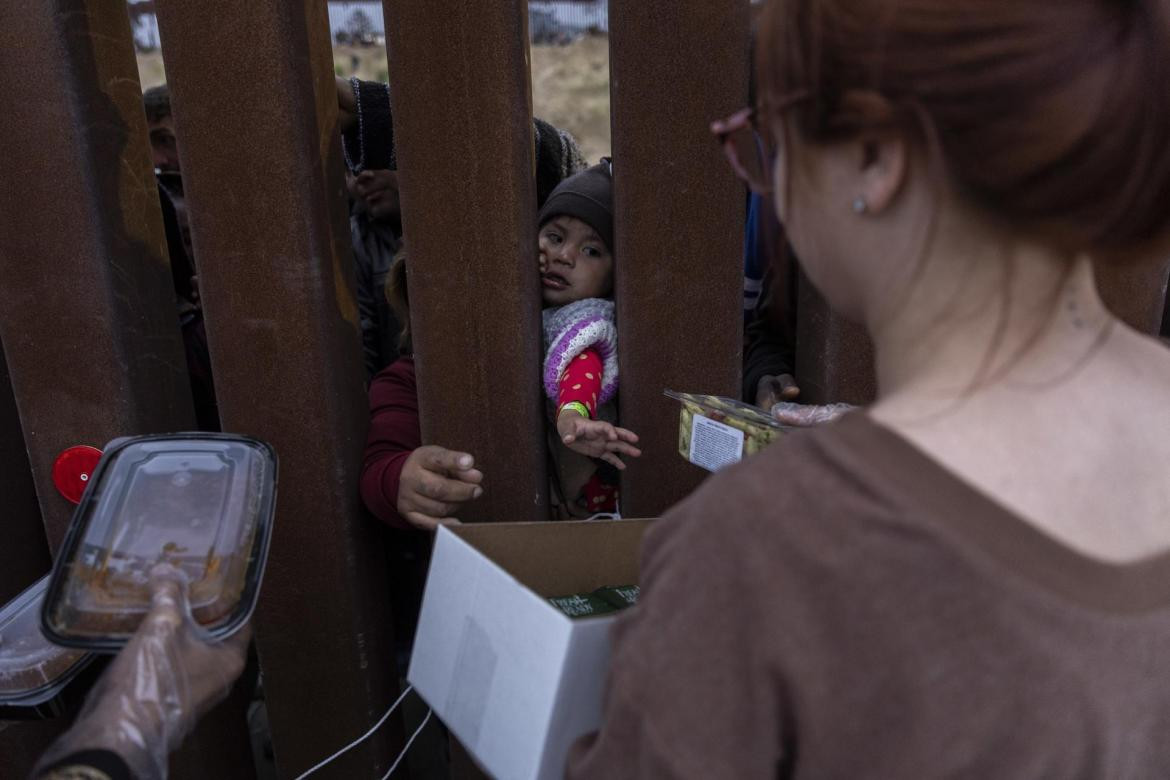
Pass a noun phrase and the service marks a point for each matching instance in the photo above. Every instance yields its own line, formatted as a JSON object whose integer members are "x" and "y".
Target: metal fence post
{"x": 87, "y": 310}
{"x": 24, "y": 556}
{"x": 463, "y": 127}
{"x": 679, "y": 219}
{"x": 1136, "y": 292}
{"x": 255, "y": 111}
{"x": 87, "y": 307}
{"x": 834, "y": 357}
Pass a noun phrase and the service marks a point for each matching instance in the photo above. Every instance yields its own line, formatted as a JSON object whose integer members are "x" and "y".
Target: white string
{"x": 363, "y": 737}
{"x": 406, "y": 749}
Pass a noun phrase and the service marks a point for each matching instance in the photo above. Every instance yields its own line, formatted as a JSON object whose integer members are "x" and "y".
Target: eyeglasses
{"x": 749, "y": 147}
{"x": 749, "y": 144}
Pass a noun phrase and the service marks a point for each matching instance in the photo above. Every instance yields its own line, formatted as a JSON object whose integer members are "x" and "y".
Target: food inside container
{"x": 32, "y": 669}
{"x": 200, "y": 503}
{"x": 714, "y": 431}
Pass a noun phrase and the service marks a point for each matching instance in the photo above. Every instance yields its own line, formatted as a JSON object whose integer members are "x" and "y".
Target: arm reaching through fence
{"x": 578, "y": 391}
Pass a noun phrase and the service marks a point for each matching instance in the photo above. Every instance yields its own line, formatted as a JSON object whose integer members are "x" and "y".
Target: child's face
{"x": 575, "y": 263}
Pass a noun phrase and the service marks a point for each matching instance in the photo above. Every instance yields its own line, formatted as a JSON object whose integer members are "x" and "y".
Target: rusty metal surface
{"x": 87, "y": 311}
{"x": 834, "y": 357}
{"x": 1136, "y": 292}
{"x": 24, "y": 557}
{"x": 679, "y": 216}
{"x": 255, "y": 111}
{"x": 462, "y": 120}
{"x": 24, "y": 551}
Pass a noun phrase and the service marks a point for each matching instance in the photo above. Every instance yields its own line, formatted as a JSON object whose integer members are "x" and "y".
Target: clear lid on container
{"x": 32, "y": 669}
{"x": 726, "y": 410}
{"x": 202, "y": 503}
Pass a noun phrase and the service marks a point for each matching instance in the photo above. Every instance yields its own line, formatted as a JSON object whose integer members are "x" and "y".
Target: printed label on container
{"x": 714, "y": 445}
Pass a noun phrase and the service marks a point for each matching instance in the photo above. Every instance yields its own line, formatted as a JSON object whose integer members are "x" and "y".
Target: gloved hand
{"x": 157, "y": 687}
{"x": 804, "y": 415}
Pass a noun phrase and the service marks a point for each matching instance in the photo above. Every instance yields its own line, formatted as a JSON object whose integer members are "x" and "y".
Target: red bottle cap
{"x": 72, "y": 469}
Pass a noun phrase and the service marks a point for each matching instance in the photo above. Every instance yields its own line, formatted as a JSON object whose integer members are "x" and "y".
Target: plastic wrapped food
{"x": 804, "y": 415}
{"x": 202, "y": 503}
{"x": 32, "y": 669}
{"x": 714, "y": 432}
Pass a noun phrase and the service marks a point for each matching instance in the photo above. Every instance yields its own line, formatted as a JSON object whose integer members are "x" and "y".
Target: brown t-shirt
{"x": 843, "y": 607}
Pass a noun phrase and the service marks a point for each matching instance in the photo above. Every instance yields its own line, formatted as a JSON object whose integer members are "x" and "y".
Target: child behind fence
{"x": 580, "y": 368}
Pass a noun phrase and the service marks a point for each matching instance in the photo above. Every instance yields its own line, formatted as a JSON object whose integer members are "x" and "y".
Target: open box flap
{"x": 514, "y": 679}
{"x": 474, "y": 618}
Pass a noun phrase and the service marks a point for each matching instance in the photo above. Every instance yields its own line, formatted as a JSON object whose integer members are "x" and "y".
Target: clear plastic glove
{"x": 804, "y": 415}
{"x": 157, "y": 687}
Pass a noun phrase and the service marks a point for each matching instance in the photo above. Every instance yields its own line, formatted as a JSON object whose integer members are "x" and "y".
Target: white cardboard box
{"x": 512, "y": 677}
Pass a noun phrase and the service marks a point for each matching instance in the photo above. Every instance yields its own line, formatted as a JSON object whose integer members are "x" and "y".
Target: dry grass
{"x": 570, "y": 85}
{"x": 570, "y": 89}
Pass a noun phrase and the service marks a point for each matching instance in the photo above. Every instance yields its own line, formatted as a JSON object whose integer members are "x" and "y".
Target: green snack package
{"x": 621, "y": 596}
{"x": 588, "y": 605}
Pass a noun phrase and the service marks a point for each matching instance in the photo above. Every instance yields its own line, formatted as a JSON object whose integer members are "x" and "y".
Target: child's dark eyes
{"x": 592, "y": 251}
{"x": 553, "y": 238}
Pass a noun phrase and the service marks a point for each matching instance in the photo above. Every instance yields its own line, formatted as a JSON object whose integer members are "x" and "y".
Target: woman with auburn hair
{"x": 970, "y": 578}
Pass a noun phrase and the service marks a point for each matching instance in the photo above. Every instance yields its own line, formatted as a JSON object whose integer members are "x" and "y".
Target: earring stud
{"x": 859, "y": 205}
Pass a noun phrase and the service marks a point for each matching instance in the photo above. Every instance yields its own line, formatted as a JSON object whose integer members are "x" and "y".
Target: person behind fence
{"x": 580, "y": 367}
{"x": 367, "y": 126}
{"x": 971, "y": 577}
{"x": 156, "y": 102}
{"x": 407, "y": 484}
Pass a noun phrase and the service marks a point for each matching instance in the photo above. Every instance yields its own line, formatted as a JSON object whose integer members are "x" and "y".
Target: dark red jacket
{"x": 394, "y": 434}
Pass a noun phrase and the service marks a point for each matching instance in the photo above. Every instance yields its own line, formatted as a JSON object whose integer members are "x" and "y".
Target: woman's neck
{"x": 973, "y": 320}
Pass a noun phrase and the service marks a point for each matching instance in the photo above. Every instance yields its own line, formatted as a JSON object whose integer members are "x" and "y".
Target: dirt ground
{"x": 570, "y": 84}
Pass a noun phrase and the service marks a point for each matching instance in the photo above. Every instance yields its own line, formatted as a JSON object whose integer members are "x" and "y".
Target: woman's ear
{"x": 882, "y": 151}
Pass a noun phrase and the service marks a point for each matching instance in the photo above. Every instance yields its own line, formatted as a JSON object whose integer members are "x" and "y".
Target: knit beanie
{"x": 588, "y": 196}
{"x": 557, "y": 158}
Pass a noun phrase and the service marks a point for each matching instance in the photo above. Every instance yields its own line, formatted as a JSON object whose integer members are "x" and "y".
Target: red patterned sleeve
{"x": 581, "y": 382}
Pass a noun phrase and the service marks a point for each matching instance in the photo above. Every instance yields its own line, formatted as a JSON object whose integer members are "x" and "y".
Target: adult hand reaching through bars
{"x": 434, "y": 482}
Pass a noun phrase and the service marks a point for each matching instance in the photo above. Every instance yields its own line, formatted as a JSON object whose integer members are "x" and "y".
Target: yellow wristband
{"x": 575, "y": 406}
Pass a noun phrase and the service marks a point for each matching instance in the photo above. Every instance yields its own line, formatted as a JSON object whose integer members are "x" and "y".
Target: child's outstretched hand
{"x": 597, "y": 439}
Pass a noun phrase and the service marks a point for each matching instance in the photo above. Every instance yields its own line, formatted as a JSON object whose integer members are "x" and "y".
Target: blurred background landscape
{"x": 570, "y": 59}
